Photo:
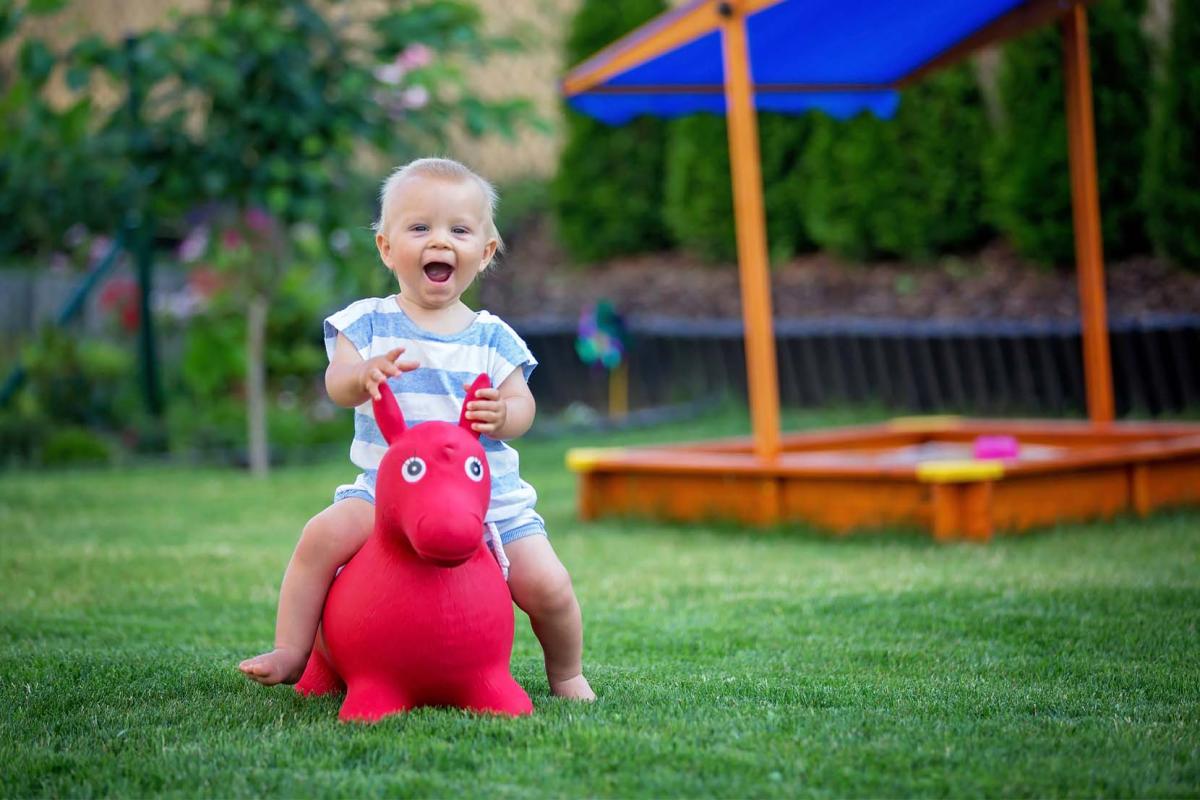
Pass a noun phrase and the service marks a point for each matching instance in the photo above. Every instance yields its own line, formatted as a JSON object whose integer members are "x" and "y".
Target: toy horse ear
{"x": 482, "y": 382}
{"x": 387, "y": 414}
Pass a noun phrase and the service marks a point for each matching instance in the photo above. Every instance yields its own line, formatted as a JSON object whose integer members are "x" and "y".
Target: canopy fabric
{"x": 617, "y": 109}
{"x": 839, "y": 56}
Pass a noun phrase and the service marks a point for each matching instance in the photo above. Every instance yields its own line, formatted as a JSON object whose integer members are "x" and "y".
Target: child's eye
{"x": 419, "y": 228}
{"x": 461, "y": 231}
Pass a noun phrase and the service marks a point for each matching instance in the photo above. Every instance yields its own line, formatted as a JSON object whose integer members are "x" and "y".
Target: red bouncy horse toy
{"x": 421, "y": 615}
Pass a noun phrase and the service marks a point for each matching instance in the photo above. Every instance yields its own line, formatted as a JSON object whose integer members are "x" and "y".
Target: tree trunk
{"x": 256, "y": 383}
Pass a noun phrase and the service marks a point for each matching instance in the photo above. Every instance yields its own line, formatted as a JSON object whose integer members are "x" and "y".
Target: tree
{"x": 699, "y": 191}
{"x": 45, "y": 146}
{"x": 910, "y": 186}
{"x": 608, "y": 189}
{"x": 1029, "y": 183}
{"x": 1172, "y": 182}
{"x": 261, "y": 108}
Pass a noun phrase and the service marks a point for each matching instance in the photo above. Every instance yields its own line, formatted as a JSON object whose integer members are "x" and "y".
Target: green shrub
{"x": 910, "y": 186}
{"x": 523, "y": 204}
{"x": 46, "y": 146}
{"x": 698, "y": 197}
{"x": 73, "y": 447}
{"x": 608, "y": 188}
{"x": 83, "y": 382}
{"x": 1029, "y": 176}
{"x": 699, "y": 191}
{"x": 217, "y": 428}
{"x": 1172, "y": 185}
{"x": 21, "y": 437}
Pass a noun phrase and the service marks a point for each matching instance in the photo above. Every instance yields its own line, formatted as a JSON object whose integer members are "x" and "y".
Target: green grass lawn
{"x": 728, "y": 663}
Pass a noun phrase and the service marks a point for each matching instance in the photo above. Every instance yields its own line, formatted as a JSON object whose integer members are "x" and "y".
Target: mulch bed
{"x": 537, "y": 280}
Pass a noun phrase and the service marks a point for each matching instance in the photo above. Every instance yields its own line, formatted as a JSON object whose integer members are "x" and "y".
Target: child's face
{"x": 437, "y": 240}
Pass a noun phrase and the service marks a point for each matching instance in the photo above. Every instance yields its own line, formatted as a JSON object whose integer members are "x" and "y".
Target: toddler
{"x": 435, "y": 234}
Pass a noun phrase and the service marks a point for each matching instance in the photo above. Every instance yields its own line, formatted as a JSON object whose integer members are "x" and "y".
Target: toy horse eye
{"x": 474, "y": 468}
{"x": 413, "y": 469}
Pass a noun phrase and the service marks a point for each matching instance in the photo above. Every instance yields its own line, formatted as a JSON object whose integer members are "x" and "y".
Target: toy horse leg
{"x": 498, "y": 693}
{"x": 319, "y": 676}
{"x": 370, "y": 699}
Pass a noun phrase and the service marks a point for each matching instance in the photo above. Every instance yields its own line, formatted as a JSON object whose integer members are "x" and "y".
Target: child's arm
{"x": 351, "y": 381}
{"x": 503, "y": 413}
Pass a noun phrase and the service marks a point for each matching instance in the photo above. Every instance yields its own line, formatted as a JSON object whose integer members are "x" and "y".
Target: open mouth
{"x": 438, "y": 271}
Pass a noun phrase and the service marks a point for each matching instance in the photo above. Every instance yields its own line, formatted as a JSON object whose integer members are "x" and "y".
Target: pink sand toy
{"x": 996, "y": 447}
{"x": 421, "y": 616}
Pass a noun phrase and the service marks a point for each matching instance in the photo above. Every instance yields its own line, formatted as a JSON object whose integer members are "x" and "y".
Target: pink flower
{"x": 415, "y": 56}
{"x": 194, "y": 244}
{"x": 231, "y": 239}
{"x": 258, "y": 219}
{"x": 99, "y": 248}
{"x": 390, "y": 74}
{"x": 414, "y": 97}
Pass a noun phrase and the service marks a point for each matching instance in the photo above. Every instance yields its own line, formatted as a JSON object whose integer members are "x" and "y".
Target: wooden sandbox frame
{"x": 839, "y": 479}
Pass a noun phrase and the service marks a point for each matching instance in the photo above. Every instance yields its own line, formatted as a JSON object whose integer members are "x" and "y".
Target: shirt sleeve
{"x": 353, "y": 322}
{"x": 509, "y": 352}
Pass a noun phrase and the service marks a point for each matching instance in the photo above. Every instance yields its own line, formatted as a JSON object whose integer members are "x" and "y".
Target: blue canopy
{"x": 839, "y": 56}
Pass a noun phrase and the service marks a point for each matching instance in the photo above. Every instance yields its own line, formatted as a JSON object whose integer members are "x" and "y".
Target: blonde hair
{"x": 446, "y": 169}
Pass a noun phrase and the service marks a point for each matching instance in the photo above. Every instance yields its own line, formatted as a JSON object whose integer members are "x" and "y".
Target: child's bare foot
{"x": 576, "y": 688}
{"x": 281, "y": 665}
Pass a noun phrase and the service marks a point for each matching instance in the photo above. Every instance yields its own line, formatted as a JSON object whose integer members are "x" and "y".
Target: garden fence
{"x": 1003, "y": 368}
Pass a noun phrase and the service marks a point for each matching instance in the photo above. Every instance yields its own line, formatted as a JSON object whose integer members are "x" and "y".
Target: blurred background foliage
{"x": 608, "y": 188}
{"x": 250, "y": 138}
{"x": 1030, "y": 201}
{"x": 1171, "y": 183}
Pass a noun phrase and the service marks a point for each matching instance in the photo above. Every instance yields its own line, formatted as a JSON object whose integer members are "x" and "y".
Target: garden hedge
{"x": 911, "y": 186}
{"x": 608, "y": 189}
{"x": 1029, "y": 186}
{"x": 1172, "y": 180}
{"x": 699, "y": 193}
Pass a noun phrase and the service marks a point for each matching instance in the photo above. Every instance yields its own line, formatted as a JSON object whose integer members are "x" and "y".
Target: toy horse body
{"x": 421, "y": 615}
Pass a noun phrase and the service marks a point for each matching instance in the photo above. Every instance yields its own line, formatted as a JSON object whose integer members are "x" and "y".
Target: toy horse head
{"x": 433, "y": 486}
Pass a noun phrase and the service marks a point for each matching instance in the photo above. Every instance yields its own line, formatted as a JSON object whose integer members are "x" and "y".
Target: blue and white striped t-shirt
{"x": 435, "y": 391}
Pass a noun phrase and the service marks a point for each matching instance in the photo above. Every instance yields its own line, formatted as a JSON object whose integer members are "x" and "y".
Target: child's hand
{"x": 375, "y": 371}
{"x": 487, "y": 410}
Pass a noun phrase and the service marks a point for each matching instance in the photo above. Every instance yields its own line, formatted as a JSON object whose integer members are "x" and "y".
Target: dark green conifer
{"x": 1172, "y": 185}
{"x": 1029, "y": 178}
{"x": 608, "y": 190}
{"x": 910, "y": 186}
{"x": 699, "y": 194}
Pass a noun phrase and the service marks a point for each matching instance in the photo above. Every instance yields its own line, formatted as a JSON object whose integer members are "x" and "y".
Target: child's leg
{"x": 541, "y": 586}
{"x": 328, "y": 541}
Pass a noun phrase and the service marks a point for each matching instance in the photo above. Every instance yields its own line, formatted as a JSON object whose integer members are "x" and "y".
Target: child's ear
{"x": 384, "y": 247}
{"x": 489, "y": 252}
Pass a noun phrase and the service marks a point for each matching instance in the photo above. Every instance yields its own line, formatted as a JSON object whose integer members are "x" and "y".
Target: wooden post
{"x": 1085, "y": 204}
{"x": 750, "y": 223}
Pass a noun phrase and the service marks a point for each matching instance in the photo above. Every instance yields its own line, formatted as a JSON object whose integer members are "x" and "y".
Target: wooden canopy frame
{"x": 802, "y": 476}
